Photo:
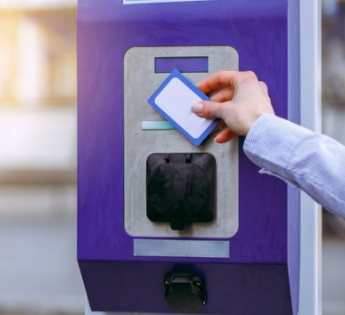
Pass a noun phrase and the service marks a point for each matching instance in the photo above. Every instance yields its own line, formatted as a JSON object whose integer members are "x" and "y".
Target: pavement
{"x": 333, "y": 276}
{"x": 38, "y": 268}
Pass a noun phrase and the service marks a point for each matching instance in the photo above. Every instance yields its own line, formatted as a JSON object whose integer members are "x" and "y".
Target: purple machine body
{"x": 261, "y": 276}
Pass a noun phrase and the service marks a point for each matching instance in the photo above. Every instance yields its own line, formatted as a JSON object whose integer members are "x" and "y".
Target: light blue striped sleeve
{"x": 313, "y": 162}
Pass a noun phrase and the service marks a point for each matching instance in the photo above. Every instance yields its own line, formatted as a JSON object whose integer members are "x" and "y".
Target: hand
{"x": 240, "y": 102}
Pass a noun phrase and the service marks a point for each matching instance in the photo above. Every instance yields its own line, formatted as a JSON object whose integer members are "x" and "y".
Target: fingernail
{"x": 197, "y": 108}
{"x": 215, "y": 140}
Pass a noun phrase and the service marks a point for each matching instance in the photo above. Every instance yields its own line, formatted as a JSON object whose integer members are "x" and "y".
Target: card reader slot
{"x": 183, "y": 64}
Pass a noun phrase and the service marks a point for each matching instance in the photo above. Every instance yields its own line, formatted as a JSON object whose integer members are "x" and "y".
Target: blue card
{"x": 173, "y": 100}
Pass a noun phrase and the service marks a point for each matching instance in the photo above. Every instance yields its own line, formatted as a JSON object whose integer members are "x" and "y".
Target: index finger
{"x": 218, "y": 80}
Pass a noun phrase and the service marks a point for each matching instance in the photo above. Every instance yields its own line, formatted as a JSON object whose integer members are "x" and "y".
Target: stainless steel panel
{"x": 140, "y": 82}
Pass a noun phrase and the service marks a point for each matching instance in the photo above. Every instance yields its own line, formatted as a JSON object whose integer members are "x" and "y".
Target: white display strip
{"x": 181, "y": 248}
{"x": 156, "y": 125}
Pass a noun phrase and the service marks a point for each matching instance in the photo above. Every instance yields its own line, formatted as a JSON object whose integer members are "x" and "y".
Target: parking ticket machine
{"x": 165, "y": 225}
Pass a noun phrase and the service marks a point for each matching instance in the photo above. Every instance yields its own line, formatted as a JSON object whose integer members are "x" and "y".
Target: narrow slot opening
{"x": 182, "y": 64}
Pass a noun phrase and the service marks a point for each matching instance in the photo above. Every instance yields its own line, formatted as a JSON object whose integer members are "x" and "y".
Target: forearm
{"x": 313, "y": 162}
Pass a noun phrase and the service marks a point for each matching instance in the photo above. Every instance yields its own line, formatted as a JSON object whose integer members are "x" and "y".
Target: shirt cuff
{"x": 271, "y": 142}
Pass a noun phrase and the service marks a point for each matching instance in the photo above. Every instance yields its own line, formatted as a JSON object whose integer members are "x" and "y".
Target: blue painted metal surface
{"x": 255, "y": 279}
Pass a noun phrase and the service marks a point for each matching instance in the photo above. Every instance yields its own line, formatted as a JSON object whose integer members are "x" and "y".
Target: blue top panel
{"x": 107, "y": 10}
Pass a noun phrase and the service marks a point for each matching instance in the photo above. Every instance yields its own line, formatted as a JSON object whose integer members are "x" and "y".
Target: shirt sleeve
{"x": 313, "y": 162}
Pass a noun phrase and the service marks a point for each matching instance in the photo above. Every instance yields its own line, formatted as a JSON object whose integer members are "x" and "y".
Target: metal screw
{"x": 167, "y": 282}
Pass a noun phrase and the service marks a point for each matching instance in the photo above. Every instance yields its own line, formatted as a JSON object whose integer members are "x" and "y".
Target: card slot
{"x": 183, "y": 64}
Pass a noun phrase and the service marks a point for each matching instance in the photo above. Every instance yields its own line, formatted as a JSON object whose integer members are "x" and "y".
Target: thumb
{"x": 207, "y": 109}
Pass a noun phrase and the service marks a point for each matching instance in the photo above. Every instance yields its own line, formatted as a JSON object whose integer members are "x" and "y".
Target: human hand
{"x": 240, "y": 102}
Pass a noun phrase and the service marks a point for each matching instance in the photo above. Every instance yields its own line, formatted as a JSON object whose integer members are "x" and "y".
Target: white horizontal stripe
{"x": 181, "y": 248}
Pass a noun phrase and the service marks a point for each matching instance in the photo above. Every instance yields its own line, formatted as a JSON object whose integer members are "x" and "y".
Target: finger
{"x": 223, "y": 95}
{"x": 263, "y": 86}
{"x": 220, "y": 79}
{"x": 219, "y": 126}
{"x": 229, "y": 79}
{"x": 225, "y": 136}
{"x": 208, "y": 109}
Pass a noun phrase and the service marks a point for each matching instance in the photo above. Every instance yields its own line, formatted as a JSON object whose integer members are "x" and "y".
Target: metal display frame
{"x": 310, "y": 47}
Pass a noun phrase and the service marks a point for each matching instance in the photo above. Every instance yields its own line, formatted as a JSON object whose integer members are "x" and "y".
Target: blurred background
{"x": 38, "y": 96}
{"x": 38, "y": 269}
